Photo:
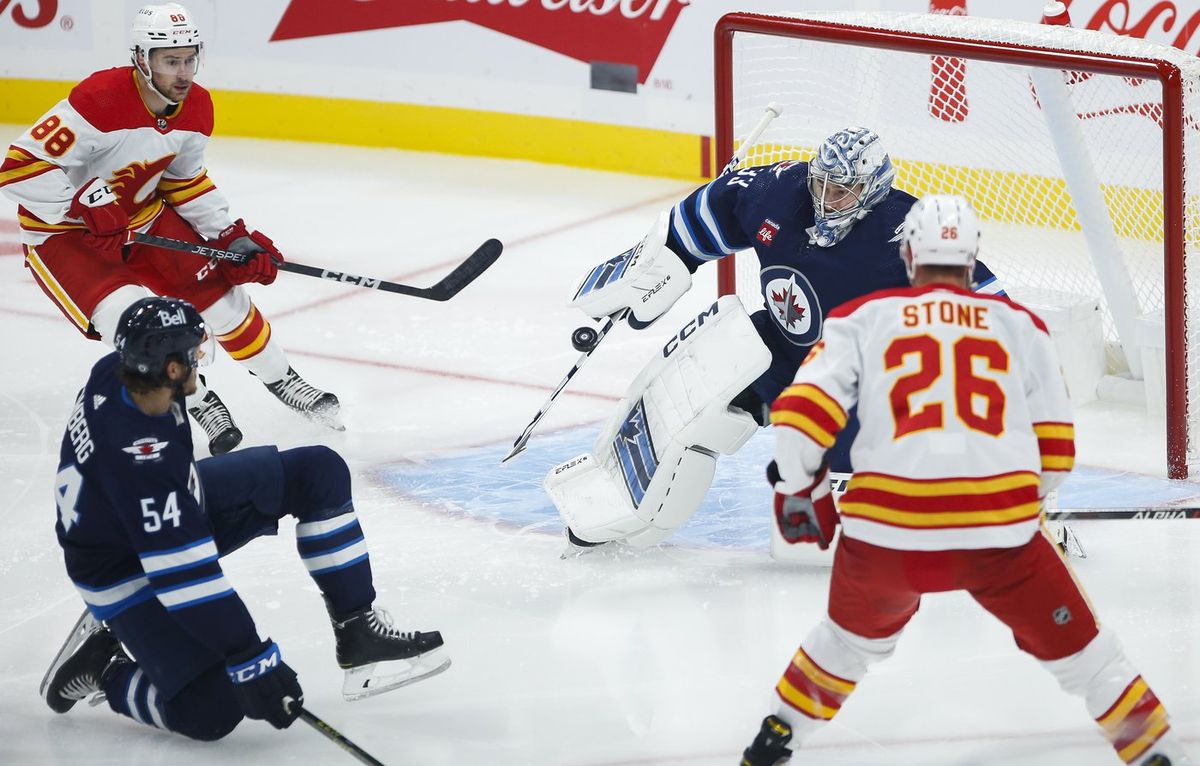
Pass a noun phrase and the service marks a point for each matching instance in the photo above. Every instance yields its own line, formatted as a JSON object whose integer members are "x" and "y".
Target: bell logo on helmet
{"x": 171, "y": 319}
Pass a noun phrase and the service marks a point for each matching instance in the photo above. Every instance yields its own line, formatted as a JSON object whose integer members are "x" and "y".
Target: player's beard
{"x": 173, "y": 87}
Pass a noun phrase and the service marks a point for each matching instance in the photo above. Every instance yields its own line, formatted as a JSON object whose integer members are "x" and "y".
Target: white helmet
{"x": 939, "y": 230}
{"x": 162, "y": 26}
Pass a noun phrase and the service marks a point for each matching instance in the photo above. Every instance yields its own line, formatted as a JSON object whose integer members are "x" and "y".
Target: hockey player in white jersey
{"x": 124, "y": 152}
{"x": 965, "y": 426}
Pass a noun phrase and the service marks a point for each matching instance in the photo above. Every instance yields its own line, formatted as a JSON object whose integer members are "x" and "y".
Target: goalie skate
{"x": 378, "y": 658}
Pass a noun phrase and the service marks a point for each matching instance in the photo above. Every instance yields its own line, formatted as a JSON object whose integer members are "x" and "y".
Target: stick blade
{"x": 467, "y": 271}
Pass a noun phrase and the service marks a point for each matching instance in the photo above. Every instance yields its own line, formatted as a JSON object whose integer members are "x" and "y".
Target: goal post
{"x": 1075, "y": 147}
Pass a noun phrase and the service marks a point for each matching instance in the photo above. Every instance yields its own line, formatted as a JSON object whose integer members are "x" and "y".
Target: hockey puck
{"x": 584, "y": 339}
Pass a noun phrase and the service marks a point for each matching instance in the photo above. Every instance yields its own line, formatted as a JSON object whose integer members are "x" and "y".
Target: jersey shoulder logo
{"x": 98, "y": 400}
{"x": 779, "y": 169}
{"x": 793, "y": 304}
{"x": 767, "y": 231}
{"x": 148, "y": 448}
{"x": 898, "y": 233}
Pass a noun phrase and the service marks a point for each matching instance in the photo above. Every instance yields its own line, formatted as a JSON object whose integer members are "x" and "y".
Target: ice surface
{"x": 617, "y": 658}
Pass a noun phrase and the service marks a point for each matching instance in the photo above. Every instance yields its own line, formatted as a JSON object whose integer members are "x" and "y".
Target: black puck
{"x": 584, "y": 339}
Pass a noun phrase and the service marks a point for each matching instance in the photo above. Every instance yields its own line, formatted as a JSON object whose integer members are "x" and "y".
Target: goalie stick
{"x": 331, "y": 733}
{"x": 773, "y": 110}
{"x": 444, "y": 289}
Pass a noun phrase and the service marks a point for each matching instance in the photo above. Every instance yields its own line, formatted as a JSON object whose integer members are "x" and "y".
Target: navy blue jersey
{"x": 769, "y": 208}
{"x": 131, "y": 516}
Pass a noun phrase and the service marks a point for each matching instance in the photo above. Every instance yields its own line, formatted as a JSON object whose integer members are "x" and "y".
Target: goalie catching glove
{"x": 647, "y": 279}
{"x": 261, "y": 257}
{"x": 807, "y": 515}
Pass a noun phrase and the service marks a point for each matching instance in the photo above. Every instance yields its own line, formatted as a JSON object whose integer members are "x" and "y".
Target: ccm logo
{"x": 254, "y": 669}
{"x": 688, "y": 329}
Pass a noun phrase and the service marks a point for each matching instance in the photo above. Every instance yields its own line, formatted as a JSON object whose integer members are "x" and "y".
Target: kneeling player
{"x": 165, "y": 637}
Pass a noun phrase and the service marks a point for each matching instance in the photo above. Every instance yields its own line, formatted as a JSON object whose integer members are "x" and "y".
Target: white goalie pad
{"x": 648, "y": 279}
{"x": 654, "y": 459}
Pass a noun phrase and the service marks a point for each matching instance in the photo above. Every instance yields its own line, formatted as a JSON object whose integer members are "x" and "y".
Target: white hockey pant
{"x": 654, "y": 460}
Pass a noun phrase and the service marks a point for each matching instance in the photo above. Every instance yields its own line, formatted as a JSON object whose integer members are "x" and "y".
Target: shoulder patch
{"x": 146, "y": 449}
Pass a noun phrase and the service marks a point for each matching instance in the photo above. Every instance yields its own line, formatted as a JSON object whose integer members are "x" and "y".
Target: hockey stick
{"x": 773, "y": 110}
{"x": 1148, "y": 513}
{"x": 445, "y": 289}
{"x": 331, "y": 733}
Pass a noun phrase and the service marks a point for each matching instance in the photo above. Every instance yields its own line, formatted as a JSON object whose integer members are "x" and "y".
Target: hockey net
{"x": 1056, "y": 135}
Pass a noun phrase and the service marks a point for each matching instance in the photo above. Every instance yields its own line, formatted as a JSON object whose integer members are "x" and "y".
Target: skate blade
{"x": 362, "y": 682}
{"x": 84, "y": 627}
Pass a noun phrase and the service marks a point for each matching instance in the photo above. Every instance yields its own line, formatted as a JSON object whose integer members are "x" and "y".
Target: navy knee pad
{"x": 317, "y": 483}
{"x": 206, "y": 709}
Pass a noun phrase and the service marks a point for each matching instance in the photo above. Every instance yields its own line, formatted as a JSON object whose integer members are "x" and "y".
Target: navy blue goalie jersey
{"x": 769, "y": 209}
{"x": 131, "y": 516}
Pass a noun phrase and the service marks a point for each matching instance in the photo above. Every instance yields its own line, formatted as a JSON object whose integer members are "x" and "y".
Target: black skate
{"x": 770, "y": 746}
{"x": 313, "y": 403}
{"x": 213, "y": 416}
{"x": 76, "y": 672}
{"x": 378, "y": 658}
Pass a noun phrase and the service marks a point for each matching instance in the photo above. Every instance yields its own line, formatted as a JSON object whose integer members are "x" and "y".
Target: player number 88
{"x": 55, "y": 137}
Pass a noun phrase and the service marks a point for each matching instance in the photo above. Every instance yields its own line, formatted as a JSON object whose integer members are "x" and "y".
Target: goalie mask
{"x": 165, "y": 26}
{"x": 850, "y": 175}
{"x": 939, "y": 230}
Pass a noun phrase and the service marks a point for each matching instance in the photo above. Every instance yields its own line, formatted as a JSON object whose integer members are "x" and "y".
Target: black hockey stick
{"x": 773, "y": 110}
{"x": 331, "y": 733}
{"x": 445, "y": 289}
{"x": 1148, "y": 513}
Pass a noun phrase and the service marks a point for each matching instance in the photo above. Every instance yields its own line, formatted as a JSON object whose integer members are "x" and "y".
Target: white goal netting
{"x": 1065, "y": 167}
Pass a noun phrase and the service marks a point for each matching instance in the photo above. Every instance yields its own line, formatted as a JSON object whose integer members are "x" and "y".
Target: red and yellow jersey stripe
{"x": 811, "y": 411}
{"x": 1056, "y": 442}
{"x": 1135, "y": 721}
{"x": 179, "y": 191}
{"x": 20, "y": 165}
{"x": 248, "y": 338}
{"x": 812, "y": 690}
{"x": 930, "y": 504}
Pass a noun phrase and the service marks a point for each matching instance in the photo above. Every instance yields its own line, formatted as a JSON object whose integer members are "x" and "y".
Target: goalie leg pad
{"x": 654, "y": 460}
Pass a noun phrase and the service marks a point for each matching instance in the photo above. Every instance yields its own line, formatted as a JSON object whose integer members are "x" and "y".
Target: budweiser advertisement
{"x": 623, "y": 31}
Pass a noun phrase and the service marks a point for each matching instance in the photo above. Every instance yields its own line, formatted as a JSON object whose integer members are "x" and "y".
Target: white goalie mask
{"x": 940, "y": 230}
{"x": 164, "y": 26}
{"x": 850, "y": 175}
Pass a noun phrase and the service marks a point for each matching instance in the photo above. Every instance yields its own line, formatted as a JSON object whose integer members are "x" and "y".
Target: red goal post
{"x": 1073, "y": 145}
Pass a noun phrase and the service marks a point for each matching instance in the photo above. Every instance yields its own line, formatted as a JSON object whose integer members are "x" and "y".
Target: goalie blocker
{"x": 654, "y": 460}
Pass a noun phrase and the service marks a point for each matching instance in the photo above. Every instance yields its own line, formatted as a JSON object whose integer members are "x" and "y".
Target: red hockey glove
{"x": 106, "y": 222}
{"x": 807, "y": 516}
{"x": 262, "y": 258}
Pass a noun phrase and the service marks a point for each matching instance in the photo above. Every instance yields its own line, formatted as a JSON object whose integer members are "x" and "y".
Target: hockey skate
{"x": 213, "y": 416}
{"x": 89, "y": 652}
{"x": 577, "y": 547}
{"x": 311, "y": 402}
{"x": 378, "y": 658}
{"x": 770, "y": 746}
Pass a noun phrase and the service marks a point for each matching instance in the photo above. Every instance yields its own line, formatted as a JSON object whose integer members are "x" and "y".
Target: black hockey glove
{"x": 262, "y": 681}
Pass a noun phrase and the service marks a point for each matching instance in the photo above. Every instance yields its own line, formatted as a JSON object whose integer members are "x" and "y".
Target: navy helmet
{"x": 153, "y": 329}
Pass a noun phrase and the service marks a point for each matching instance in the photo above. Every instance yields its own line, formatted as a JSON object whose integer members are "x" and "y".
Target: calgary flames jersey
{"x": 964, "y": 416}
{"x": 104, "y": 129}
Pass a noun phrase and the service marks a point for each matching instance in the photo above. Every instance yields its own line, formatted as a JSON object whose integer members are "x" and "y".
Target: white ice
{"x": 665, "y": 656}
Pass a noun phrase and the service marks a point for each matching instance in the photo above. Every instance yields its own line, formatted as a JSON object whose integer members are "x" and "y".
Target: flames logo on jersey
{"x": 792, "y": 303}
{"x": 135, "y": 184}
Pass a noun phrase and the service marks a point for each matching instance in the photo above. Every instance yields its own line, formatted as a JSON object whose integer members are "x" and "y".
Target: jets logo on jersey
{"x": 767, "y": 231}
{"x": 149, "y": 448}
{"x": 793, "y": 304}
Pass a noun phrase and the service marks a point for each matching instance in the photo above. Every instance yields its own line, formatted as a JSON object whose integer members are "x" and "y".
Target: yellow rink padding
{"x": 641, "y": 151}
